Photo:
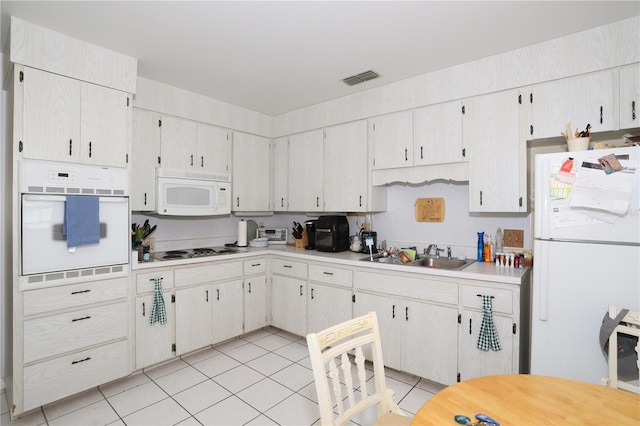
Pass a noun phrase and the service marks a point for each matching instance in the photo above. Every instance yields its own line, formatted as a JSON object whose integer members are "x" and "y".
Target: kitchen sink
{"x": 442, "y": 263}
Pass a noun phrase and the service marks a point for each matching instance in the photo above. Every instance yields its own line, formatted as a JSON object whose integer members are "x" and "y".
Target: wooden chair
{"x": 630, "y": 325}
{"x": 334, "y": 352}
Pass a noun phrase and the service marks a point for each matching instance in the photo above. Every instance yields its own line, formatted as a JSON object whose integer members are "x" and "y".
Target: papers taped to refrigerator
{"x": 593, "y": 196}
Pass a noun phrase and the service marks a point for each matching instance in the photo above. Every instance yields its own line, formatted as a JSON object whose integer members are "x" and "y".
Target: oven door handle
{"x": 59, "y": 198}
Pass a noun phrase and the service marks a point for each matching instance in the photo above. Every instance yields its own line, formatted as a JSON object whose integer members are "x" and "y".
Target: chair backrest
{"x": 630, "y": 326}
{"x": 334, "y": 352}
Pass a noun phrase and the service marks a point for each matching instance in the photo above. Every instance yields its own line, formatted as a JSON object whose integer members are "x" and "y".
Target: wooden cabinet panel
{"x": 327, "y": 306}
{"x": 213, "y": 149}
{"x": 56, "y": 334}
{"x": 392, "y": 140}
{"x": 153, "y": 342}
{"x": 289, "y": 304}
{"x": 145, "y": 157}
{"x": 251, "y": 173}
{"x": 305, "y": 172}
{"x": 289, "y": 268}
{"x": 630, "y": 97}
{"x": 208, "y": 273}
{"x": 255, "y": 303}
{"x": 228, "y": 312}
{"x": 177, "y": 143}
{"x": 194, "y": 318}
{"x": 280, "y": 169}
{"x": 438, "y": 134}
{"x": 330, "y": 275}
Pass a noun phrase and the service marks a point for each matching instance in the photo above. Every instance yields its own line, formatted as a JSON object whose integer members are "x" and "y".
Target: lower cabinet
{"x": 194, "y": 318}
{"x": 329, "y": 297}
{"x": 227, "y": 300}
{"x": 289, "y": 296}
{"x": 154, "y": 342}
{"x": 419, "y": 338}
{"x": 69, "y": 338}
{"x": 255, "y": 303}
{"x": 418, "y": 321}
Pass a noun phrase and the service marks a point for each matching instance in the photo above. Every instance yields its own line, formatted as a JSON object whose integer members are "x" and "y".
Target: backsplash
{"x": 397, "y": 225}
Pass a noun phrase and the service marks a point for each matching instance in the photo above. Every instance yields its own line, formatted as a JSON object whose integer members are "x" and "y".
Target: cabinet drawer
{"x": 502, "y": 298}
{"x": 415, "y": 287}
{"x": 325, "y": 274}
{"x": 145, "y": 282}
{"x": 55, "y": 379}
{"x": 71, "y": 296}
{"x": 56, "y": 334}
{"x": 255, "y": 266}
{"x": 289, "y": 268}
{"x": 208, "y": 273}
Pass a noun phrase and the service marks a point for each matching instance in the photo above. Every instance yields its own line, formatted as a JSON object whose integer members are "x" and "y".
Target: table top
{"x": 523, "y": 399}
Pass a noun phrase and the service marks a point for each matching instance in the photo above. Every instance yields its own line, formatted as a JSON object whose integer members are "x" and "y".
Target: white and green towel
{"x": 158, "y": 312}
{"x": 488, "y": 336}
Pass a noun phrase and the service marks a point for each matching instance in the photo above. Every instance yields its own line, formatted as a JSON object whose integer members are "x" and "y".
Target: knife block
{"x": 304, "y": 241}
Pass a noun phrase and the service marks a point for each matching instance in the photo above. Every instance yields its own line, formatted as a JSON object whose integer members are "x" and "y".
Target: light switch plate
{"x": 514, "y": 238}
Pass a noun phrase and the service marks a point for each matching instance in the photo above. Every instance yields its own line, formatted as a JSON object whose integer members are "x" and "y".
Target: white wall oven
{"x": 46, "y": 189}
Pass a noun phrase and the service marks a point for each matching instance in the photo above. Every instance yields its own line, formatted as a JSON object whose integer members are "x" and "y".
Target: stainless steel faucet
{"x": 435, "y": 248}
{"x": 449, "y": 252}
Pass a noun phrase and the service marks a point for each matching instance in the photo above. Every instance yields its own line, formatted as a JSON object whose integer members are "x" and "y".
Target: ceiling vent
{"x": 361, "y": 78}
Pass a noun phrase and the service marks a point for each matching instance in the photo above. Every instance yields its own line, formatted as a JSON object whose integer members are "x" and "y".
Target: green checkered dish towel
{"x": 488, "y": 336}
{"x": 158, "y": 312}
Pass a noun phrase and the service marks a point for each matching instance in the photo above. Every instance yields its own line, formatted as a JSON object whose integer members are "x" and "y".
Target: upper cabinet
{"x": 68, "y": 120}
{"x": 188, "y": 145}
{"x": 145, "y": 156}
{"x": 582, "y": 100}
{"x": 280, "y": 170}
{"x": 305, "y": 172}
{"x": 629, "y": 96}
{"x": 497, "y": 173}
{"x": 392, "y": 137}
{"x": 346, "y": 171}
{"x": 251, "y": 174}
{"x": 438, "y": 134}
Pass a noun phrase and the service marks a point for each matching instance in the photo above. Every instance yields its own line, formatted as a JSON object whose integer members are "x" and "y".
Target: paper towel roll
{"x": 242, "y": 233}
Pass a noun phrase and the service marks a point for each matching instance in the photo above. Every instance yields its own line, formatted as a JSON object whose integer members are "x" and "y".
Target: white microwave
{"x": 192, "y": 193}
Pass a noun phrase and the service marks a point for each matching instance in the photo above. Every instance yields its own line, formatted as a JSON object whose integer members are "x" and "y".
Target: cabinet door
{"x": 153, "y": 342}
{"x": 392, "y": 140}
{"x": 255, "y": 303}
{"x": 104, "y": 126}
{"x": 305, "y": 172}
{"x": 346, "y": 172}
{"x": 251, "y": 173}
{"x": 213, "y": 149}
{"x": 474, "y": 362}
{"x": 497, "y": 172}
{"x": 438, "y": 134}
{"x": 194, "y": 318}
{"x": 429, "y": 347}
{"x": 177, "y": 143}
{"x": 327, "y": 306}
{"x": 228, "y": 314}
{"x": 280, "y": 169}
{"x": 289, "y": 304}
{"x": 51, "y": 116}
{"x": 629, "y": 97}
{"x": 145, "y": 156}
{"x": 581, "y": 100}
{"x": 390, "y": 323}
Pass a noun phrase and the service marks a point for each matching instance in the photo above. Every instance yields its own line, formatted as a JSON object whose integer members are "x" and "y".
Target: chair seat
{"x": 393, "y": 419}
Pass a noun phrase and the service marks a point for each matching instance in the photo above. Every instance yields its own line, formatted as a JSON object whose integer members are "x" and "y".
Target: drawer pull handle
{"x": 479, "y": 295}
{"x": 217, "y": 294}
{"x": 393, "y": 311}
{"x": 80, "y": 291}
{"x": 406, "y": 313}
{"x": 328, "y": 273}
{"x": 153, "y": 279}
{"x": 287, "y": 266}
{"x": 255, "y": 264}
{"x": 249, "y": 287}
{"x": 207, "y": 295}
{"x": 82, "y": 360}
{"x": 80, "y": 319}
{"x": 300, "y": 290}
{"x": 312, "y": 294}
{"x": 143, "y": 313}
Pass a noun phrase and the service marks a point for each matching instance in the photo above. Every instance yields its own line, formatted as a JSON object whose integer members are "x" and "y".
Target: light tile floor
{"x": 261, "y": 378}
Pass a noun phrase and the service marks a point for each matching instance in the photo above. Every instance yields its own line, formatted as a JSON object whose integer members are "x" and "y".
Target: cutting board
{"x": 429, "y": 209}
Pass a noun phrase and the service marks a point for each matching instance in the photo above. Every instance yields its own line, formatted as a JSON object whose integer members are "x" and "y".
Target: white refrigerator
{"x": 586, "y": 257}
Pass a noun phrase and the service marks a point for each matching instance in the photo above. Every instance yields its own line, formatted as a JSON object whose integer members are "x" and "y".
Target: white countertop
{"x": 483, "y": 271}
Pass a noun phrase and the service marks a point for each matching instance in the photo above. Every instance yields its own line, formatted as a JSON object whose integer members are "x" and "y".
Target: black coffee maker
{"x": 363, "y": 237}
{"x": 311, "y": 234}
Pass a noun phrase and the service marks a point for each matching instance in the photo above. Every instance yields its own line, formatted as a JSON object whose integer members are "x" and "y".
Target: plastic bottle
{"x": 499, "y": 241}
{"x": 487, "y": 248}
{"x": 480, "y": 256}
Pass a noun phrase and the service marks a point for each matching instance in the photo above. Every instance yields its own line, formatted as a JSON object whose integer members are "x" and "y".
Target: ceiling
{"x": 274, "y": 57}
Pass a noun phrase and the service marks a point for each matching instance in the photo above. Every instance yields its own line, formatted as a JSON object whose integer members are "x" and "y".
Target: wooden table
{"x": 522, "y": 399}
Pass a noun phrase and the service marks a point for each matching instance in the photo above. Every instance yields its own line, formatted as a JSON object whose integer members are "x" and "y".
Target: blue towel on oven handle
{"x": 81, "y": 223}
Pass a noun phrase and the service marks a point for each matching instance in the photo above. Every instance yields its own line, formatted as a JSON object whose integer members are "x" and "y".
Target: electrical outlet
{"x": 514, "y": 238}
